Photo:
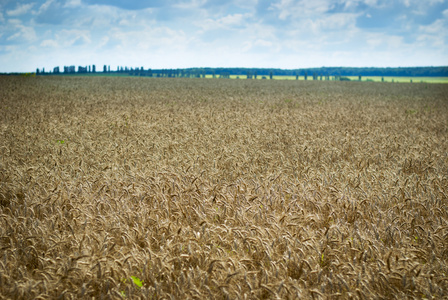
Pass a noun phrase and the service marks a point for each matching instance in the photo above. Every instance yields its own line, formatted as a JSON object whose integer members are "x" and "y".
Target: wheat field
{"x": 160, "y": 188}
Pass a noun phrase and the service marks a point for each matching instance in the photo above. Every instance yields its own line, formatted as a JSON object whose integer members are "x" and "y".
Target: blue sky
{"x": 286, "y": 34}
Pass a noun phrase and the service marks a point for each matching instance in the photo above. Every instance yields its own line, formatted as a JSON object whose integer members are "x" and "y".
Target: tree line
{"x": 255, "y": 73}
{"x": 337, "y": 71}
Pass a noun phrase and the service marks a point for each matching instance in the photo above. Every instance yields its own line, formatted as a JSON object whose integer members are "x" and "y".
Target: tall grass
{"x": 158, "y": 188}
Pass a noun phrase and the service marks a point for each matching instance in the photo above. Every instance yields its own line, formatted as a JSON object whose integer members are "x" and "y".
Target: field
{"x": 223, "y": 189}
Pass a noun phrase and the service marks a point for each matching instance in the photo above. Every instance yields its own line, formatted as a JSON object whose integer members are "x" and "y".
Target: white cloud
{"x": 419, "y": 3}
{"x": 102, "y": 17}
{"x": 433, "y": 35}
{"x": 283, "y": 8}
{"x": 375, "y": 41}
{"x": 407, "y": 3}
{"x": 437, "y": 27}
{"x": 263, "y": 43}
{"x": 103, "y": 41}
{"x": 350, "y": 5}
{"x": 25, "y": 34}
{"x": 298, "y": 9}
{"x": 14, "y": 22}
{"x": 192, "y": 4}
{"x": 49, "y": 43}
{"x": 430, "y": 40}
{"x": 233, "y": 20}
{"x": 72, "y": 3}
{"x": 226, "y": 22}
{"x": 395, "y": 42}
{"x": 162, "y": 39}
{"x": 20, "y": 10}
{"x": 334, "y": 22}
{"x": 46, "y": 5}
{"x": 372, "y": 2}
{"x": 260, "y": 45}
{"x": 73, "y": 37}
{"x": 9, "y": 48}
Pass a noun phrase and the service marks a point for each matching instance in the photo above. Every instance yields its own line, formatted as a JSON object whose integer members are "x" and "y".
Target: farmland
{"x": 228, "y": 189}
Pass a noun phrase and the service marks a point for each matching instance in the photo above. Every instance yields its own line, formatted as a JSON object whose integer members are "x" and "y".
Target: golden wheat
{"x": 168, "y": 188}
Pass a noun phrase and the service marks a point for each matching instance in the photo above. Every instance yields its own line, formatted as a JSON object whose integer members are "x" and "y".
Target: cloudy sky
{"x": 218, "y": 33}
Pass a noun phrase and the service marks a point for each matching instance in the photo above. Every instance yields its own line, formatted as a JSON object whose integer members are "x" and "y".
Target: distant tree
{"x": 37, "y": 71}
{"x": 359, "y": 77}
{"x": 255, "y": 74}
{"x": 93, "y": 69}
{"x": 224, "y": 75}
{"x": 306, "y": 75}
{"x": 104, "y": 69}
{"x": 69, "y": 69}
{"x": 270, "y": 74}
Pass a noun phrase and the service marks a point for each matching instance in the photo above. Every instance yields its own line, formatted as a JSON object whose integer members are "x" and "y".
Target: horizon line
{"x": 235, "y": 67}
